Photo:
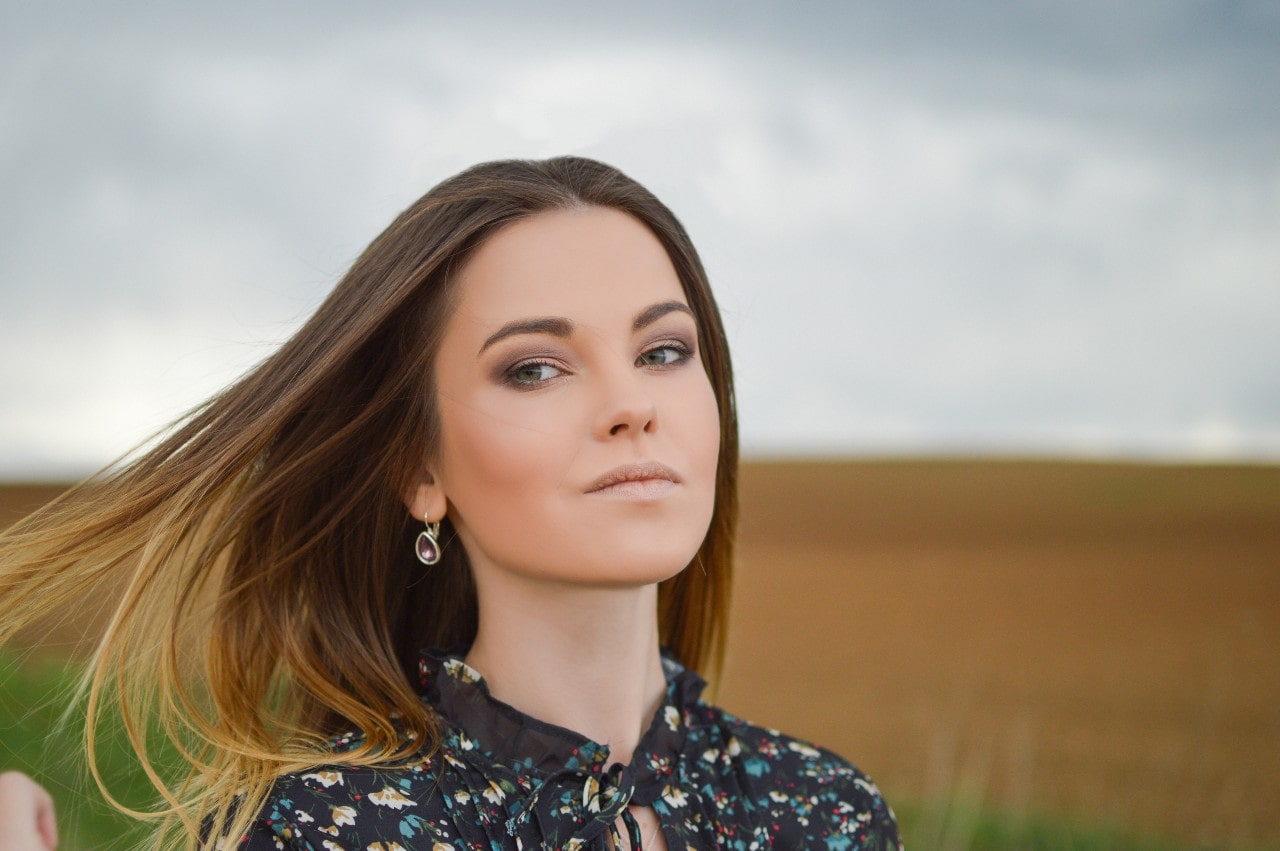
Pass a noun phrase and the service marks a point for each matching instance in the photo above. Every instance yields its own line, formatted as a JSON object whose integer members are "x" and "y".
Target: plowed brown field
{"x": 1099, "y": 640}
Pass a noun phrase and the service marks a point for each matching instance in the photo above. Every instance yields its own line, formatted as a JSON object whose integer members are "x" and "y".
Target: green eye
{"x": 663, "y": 356}
{"x": 533, "y": 373}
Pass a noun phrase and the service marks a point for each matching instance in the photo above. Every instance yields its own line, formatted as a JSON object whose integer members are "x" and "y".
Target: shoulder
{"x": 812, "y": 795}
{"x": 344, "y": 806}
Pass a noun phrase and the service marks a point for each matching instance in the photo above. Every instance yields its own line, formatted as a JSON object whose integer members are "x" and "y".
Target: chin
{"x": 646, "y": 567}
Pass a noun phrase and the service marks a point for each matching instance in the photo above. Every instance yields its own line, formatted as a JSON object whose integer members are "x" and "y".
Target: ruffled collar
{"x": 493, "y": 736}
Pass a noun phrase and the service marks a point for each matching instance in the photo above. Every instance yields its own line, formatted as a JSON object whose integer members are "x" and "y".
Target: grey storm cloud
{"x": 981, "y": 227}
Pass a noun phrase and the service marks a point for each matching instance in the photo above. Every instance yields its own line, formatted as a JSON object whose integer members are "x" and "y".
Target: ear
{"x": 425, "y": 499}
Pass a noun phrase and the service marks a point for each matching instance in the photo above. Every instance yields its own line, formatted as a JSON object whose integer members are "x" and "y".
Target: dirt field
{"x": 1098, "y": 640}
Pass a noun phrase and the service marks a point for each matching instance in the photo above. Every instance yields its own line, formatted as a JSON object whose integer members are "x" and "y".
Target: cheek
{"x": 705, "y": 431}
{"x": 496, "y": 471}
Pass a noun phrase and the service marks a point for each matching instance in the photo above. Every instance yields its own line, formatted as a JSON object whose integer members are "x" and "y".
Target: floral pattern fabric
{"x": 503, "y": 780}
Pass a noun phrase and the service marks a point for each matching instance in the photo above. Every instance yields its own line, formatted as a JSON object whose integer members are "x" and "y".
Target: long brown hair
{"x": 271, "y": 597}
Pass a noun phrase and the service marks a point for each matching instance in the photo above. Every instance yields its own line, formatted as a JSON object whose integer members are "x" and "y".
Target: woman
{"x": 508, "y": 435}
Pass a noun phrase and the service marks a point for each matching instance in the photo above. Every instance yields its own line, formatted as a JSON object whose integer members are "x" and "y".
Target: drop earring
{"x": 427, "y": 547}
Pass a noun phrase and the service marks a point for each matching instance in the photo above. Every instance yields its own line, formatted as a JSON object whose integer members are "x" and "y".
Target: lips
{"x": 639, "y": 472}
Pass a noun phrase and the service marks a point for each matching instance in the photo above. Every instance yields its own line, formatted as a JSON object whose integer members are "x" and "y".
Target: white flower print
{"x": 325, "y": 778}
{"x": 460, "y": 670}
{"x": 867, "y": 786}
{"x": 674, "y": 796}
{"x": 448, "y": 798}
{"x": 803, "y": 750}
{"x": 672, "y": 716}
{"x": 591, "y": 795}
{"x": 660, "y": 764}
{"x": 389, "y": 797}
{"x": 494, "y": 793}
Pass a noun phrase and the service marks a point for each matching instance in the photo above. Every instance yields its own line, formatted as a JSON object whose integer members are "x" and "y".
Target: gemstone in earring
{"x": 428, "y": 549}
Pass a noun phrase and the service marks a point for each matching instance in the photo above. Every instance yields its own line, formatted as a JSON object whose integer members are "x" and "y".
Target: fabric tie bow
{"x": 580, "y": 805}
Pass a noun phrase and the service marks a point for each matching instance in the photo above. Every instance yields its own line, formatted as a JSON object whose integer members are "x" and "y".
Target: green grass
{"x": 33, "y": 698}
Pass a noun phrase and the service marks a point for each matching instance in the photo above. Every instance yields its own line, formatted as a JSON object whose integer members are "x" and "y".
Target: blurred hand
{"x": 26, "y": 814}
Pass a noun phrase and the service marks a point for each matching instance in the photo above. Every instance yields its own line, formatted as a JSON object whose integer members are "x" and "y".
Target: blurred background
{"x": 1001, "y": 281}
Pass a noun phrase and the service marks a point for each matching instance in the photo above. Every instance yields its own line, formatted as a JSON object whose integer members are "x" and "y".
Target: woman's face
{"x": 580, "y": 432}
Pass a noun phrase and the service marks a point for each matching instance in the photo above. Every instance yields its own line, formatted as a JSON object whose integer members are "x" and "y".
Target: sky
{"x": 981, "y": 228}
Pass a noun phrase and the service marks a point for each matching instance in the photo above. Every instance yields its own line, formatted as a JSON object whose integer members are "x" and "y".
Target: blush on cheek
{"x": 500, "y": 477}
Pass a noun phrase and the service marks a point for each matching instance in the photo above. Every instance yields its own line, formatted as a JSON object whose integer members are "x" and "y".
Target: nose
{"x": 626, "y": 409}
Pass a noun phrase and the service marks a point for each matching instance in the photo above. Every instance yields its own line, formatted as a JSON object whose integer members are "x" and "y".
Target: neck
{"x": 582, "y": 658}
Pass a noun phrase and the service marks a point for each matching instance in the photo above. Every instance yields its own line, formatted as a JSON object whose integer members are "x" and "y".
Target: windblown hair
{"x": 271, "y": 598}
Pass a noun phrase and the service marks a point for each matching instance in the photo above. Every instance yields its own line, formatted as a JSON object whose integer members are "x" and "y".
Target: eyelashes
{"x": 681, "y": 353}
{"x": 530, "y": 373}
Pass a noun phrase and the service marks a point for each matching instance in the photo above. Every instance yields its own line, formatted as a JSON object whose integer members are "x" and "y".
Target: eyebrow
{"x": 554, "y": 326}
{"x": 558, "y": 326}
{"x": 652, "y": 314}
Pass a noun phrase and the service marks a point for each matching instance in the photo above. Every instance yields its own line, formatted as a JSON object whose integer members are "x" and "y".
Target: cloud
{"x": 1034, "y": 226}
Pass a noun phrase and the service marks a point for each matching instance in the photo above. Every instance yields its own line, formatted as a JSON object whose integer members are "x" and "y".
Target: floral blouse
{"x": 504, "y": 780}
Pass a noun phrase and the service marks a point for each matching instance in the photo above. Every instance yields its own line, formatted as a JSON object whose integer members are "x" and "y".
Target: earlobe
{"x": 426, "y": 500}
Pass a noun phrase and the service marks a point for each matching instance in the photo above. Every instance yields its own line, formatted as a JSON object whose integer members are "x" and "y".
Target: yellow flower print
{"x": 462, "y": 796}
{"x": 384, "y": 846}
{"x": 389, "y": 797}
{"x": 674, "y": 797}
{"x": 672, "y": 716}
{"x": 325, "y": 778}
{"x": 343, "y": 815}
{"x": 332, "y": 846}
{"x": 591, "y": 795}
{"x": 494, "y": 793}
{"x": 462, "y": 671}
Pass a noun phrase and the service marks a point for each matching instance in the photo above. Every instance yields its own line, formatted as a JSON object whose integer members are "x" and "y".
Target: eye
{"x": 665, "y": 355}
{"x": 532, "y": 372}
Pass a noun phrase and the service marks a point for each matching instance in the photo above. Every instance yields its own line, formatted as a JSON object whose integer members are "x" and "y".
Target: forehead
{"x": 580, "y": 263}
